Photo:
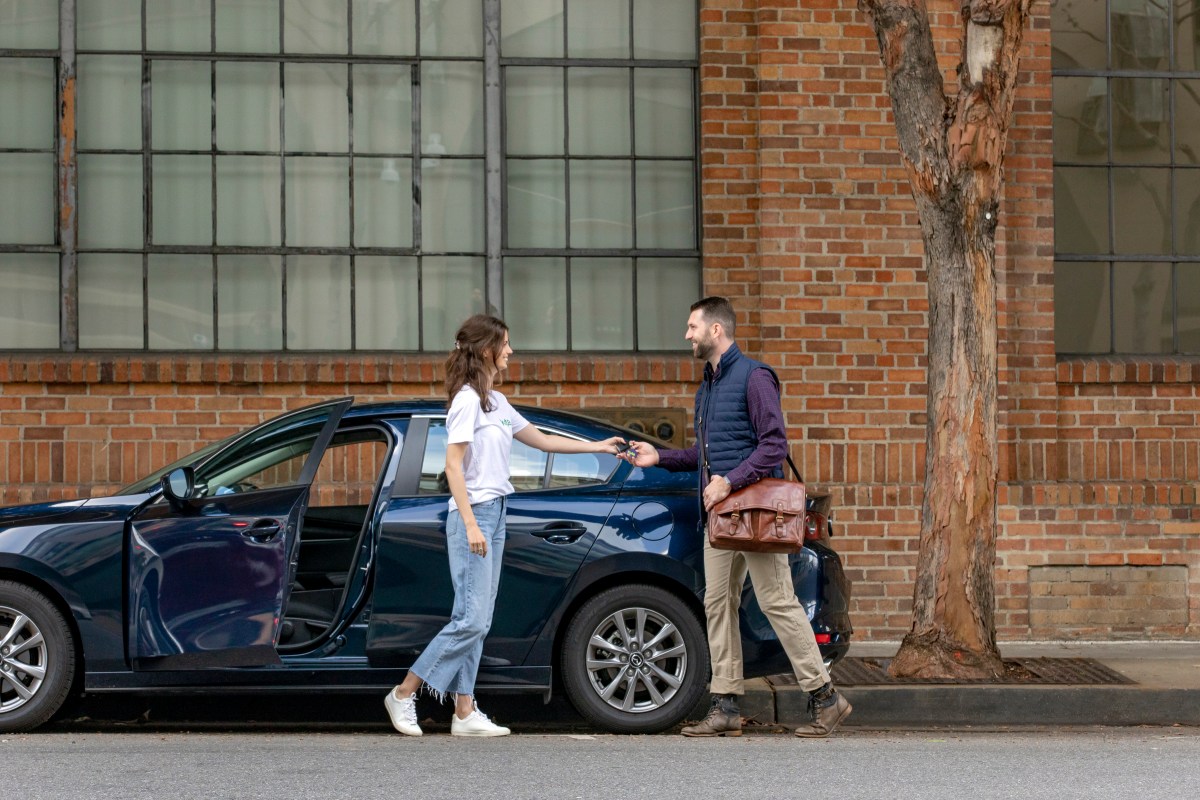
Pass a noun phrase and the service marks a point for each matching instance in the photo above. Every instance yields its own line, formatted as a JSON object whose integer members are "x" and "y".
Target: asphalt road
{"x": 1095, "y": 764}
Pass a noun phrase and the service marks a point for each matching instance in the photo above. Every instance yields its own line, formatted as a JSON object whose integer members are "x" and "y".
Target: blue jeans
{"x": 450, "y": 662}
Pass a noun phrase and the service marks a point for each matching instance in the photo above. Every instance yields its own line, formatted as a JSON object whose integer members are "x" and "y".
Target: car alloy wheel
{"x": 635, "y": 659}
{"x": 37, "y": 660}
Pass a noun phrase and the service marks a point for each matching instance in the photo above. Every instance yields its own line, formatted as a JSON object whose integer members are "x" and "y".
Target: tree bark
{"x": 953, "y": 150}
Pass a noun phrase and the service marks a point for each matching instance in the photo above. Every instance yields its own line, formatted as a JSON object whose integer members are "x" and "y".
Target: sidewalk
{"x": 1165, "y": 691}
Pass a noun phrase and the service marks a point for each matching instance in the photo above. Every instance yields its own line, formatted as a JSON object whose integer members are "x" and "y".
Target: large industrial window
{"x": 265, "y": 175}
{"x": 1126, "y": 176}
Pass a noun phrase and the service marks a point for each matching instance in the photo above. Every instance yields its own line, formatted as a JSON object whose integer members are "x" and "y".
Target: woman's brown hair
{"x": 479, "y": 339}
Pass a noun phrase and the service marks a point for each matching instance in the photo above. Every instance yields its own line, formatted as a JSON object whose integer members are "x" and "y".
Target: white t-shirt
{"x": 489, "y": 438}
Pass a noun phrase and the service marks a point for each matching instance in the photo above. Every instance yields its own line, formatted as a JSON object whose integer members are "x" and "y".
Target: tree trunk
{"x": 953, "y": 149}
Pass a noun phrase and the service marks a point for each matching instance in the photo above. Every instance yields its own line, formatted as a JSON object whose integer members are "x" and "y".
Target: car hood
{"x": 36, "y": 512}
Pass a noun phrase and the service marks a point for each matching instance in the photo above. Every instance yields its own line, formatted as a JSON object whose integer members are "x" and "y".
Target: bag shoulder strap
{"x": 795, "y": 471}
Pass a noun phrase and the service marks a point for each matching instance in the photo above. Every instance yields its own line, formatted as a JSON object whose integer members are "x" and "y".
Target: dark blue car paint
{"x": 76, "y": 551}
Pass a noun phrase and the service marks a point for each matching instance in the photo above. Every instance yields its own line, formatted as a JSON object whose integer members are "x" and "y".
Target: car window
{"x": 581, "y": 469}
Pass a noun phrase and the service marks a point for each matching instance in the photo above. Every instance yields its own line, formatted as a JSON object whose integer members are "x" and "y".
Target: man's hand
{"x": 641, "y": 454}
{"x": 717, "y": 490}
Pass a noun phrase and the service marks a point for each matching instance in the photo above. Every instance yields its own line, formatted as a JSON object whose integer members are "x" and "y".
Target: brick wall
{"x": 810, "y": 228}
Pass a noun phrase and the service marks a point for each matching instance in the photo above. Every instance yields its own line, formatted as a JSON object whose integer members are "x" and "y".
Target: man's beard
{"x": 703, "y": 349}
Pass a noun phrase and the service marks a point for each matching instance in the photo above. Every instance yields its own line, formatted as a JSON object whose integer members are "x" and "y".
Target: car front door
{"x": 559, "y": 507}
{"x": 208, "y": 577}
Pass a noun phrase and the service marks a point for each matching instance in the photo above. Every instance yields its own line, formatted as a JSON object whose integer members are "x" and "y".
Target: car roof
{"x": 569, "y": 421}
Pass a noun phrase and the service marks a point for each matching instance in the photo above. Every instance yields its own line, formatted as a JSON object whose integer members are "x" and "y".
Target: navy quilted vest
{"x": 723, "y": 430}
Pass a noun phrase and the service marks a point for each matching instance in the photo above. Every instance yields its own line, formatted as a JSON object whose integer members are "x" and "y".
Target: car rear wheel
{"x": 635, "y": 659}
{"x": 37, "y": 658}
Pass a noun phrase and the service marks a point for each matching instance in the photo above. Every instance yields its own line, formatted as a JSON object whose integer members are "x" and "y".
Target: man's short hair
{"x": 717, "y": 309}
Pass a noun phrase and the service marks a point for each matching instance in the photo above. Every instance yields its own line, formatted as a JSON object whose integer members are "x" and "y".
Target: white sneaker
{"x": 476, "y": 724}
{"x": 403, "y": 713}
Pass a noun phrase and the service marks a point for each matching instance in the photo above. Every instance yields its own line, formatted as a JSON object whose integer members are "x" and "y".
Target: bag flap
{"x": 768, "y": 494}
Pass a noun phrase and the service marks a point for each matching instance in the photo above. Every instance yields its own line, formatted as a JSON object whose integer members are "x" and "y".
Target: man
{"x": 740, "y": 439}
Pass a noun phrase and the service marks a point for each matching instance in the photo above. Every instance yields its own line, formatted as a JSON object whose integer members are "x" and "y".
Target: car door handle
{"x": 264, "y": 530}
{"x": 560, "y": 532}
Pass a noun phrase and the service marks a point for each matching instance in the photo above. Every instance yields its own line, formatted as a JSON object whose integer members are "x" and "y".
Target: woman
{"x": 481, "y": 425}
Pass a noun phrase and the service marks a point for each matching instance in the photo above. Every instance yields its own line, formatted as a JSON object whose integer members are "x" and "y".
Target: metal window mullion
{"x": 147, "y": 191}
{"x": 283, "y": 259}
{"x": 493, "y": 157}
{"x": 212, "y": 120}
{"x": 67, "y": 191}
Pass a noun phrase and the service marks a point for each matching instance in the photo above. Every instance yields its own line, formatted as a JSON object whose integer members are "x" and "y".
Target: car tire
{"x": 37, "y": 658}
{"x": 656, "y": 669}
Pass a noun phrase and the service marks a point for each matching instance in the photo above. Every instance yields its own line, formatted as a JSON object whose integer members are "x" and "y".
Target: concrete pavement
{"x": 1165, "y": 690}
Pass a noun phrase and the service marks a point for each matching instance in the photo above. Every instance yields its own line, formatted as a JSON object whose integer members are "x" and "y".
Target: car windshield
{"x": 150, "y": 482}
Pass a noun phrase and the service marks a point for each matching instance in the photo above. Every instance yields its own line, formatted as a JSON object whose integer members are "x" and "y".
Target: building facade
{"x": 211, "y": 211}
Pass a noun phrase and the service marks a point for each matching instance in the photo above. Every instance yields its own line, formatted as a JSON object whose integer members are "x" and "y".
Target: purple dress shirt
{"x": 766, "y": 415}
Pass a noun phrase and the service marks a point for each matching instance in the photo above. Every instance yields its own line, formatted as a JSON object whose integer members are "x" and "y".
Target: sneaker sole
{"x": 481, "y": 734}
{"x": 711, "y": 735}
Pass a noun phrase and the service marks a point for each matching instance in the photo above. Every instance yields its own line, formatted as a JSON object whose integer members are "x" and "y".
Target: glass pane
{"x": 537, "y": 203}
{"x": 29, "y": 302}
{"x": 318, "y": 303}
{"x": 1142, "y": 210}
{"x": 1187, "y": 212}
{"x": 247, "y": 106}
{"x": 580, "y": 469}
{"x": 666, "y": 197}
{"x": 1079, "y": 34}
{"x": 250, "y": 302}
{"x": 662, "y": 112}
{"x": 452, "y": 27}
{"x": 1082, "y": 307}
{"x": 108, "y": 25}
{"x": 318, "y": 202}
{"x": 1080, "y": 210}
{"x": 181, "y": 105}
{"x": 179, "y": 293}
{"x": 110, "y": 201}
{"x": 383, "y": 108}
{"x": 452, "y": 289}
{"x": 110, "y": 300}
{"x": 1187, "y": 307}
{"x": 1081, "y": 119}
{"x": 598, "y": 29}
{"x": 533, "y": 111}
{"x": 535, "y": 302}
{"x": 1187, "y": 35}
{"x": 452, "y": 213}
{"x": 1140, "y": 34}
{"x": 178, "y": 25}
{"x": 383, "y": 208}
{"x": 664, "y": 28}
{"x": 316, "y": 117}
{"x": 598, "y": 111}
{"x": 27, "y": 92}
{"x": 601, "y": 204}
{"x": 248, "y": 26}
{"x": 110, "y": 102}
{"x": 385, "y": 28}
{"x": 532, "y": 28}
{"x": 433, "y": 464}
{"x": 31, "y": 24}
{"x": 315, "y": 26}
{"x": 248, "y": 190}
{"x": 451, "y": 108}
{"x": 182, "y": 197}
{"x": 1141, "y": 132}
{"x": 27, "y": 198}
{"x": 527, "y": 467}
{"x": 1187, "y": 121}
{"x": 602, "y": 304}
{"x": 387, "y": 303}
{"x": 1142, "y": 308}
{"x": 666, "y": 289}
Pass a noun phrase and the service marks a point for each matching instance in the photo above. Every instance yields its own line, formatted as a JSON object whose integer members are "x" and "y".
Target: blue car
{"x": 308, "y": 553}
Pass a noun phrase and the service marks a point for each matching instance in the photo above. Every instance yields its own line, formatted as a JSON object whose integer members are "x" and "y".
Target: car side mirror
{"x": 179, "y": 487}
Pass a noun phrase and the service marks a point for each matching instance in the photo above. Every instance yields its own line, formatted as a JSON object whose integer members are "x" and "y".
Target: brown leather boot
{"x": 724, "y": 719}
{"x": 827, "y": 709}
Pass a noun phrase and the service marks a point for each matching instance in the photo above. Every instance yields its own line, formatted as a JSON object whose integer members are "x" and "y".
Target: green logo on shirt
{"x": 507, "y": 422}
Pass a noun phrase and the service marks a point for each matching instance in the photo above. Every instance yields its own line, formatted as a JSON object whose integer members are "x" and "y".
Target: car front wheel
{"x": 635, "y": 659}
{"x": 37, "y": 658}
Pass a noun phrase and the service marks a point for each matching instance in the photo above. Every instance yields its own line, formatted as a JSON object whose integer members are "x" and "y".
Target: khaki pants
{"x": 724, "y": 576}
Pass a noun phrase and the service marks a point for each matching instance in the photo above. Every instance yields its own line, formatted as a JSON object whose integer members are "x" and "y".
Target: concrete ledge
{"x": 951, "y": 706}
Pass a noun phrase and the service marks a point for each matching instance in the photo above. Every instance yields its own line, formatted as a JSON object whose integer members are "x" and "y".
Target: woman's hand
{"x": 475, "y": 539}
{"x": 614, "y": 446}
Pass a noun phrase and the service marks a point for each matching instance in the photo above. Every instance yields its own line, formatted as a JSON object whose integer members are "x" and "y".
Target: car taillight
{"x": 823, "y": 638}
{"x": 814, "y": 526}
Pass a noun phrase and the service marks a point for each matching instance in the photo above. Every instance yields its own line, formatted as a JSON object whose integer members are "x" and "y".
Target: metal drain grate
{"x": 1022, "y": 671}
